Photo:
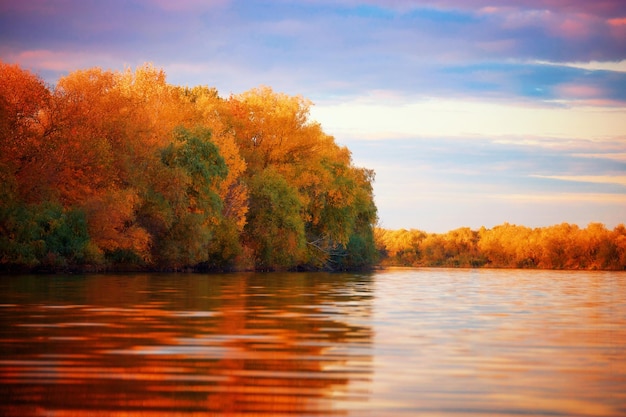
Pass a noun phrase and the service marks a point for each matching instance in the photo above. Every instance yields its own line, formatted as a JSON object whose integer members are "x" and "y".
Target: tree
{"x": 113, "y": 227}
{"x": 273, "y": 131}
{"x": 182, "y": 208}
{"x": 360, "y": 250}
{"x": 615, "y": 258}
{"x": 25, "y": 128}
{"x": 275, "y": 230}
{"x": 101, "y": 143}
{"x": 43, "y": 236}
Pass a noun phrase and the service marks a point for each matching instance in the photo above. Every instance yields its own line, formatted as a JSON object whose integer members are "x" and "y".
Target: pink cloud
{"x": 519, "y": 18}
{"x": 571, "y": 19}
{"x": 586, "y": 95}
{"x": 186, "y": 5}
{"x": 58, "y": 61}
{"x": 607, "y": 8}
{"x": 43, "y": 59}
{"x": 576, "y": 26}
{"x": 620, "y": 21}
{"x": 618, "y": 27}
{"x": 489, "y": 10}
{"x": 579, "y": 91}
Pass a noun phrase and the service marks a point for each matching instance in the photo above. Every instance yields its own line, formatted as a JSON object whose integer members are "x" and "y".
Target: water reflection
{"x": 500, "y": 343}
{"x": 427, "y": 342}
{"x": 140, "y": 344}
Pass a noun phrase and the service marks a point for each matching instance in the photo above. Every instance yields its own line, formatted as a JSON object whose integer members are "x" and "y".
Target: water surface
{"x": 419, "y": 342}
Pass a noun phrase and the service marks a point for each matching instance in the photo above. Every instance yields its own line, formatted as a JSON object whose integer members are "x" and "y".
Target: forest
{"x": 115, "y": 170}
{"x": 122, "y": 171}
{"x": 563, "y": 246}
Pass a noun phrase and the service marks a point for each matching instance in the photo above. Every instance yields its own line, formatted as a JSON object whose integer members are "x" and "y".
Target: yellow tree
{"x": 616, "y": 259}
{"x": 591, "y": 242}
{"x": 270, "y": 128}
{"x": 273, "y": 130}
{"x": 559, "y": 250}
{"x": 494, "y": 246}
{"x": 212, "y": 112}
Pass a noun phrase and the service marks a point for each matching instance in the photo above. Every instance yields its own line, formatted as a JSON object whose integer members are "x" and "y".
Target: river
{"x": 397, "y": 342}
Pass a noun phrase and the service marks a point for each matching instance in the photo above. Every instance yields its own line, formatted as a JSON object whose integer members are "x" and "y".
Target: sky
{"x": 472, "y": 112}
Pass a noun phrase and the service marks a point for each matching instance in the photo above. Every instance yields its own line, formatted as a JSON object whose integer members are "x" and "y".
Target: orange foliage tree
{"x": 562, "y": 246}
{"x": 145, "y": 174}
{"x": 273, "y": 131}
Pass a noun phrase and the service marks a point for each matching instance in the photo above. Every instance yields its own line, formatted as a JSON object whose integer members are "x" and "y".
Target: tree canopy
{"x": 562, "y": 246}
{"x": 123, "y": 170}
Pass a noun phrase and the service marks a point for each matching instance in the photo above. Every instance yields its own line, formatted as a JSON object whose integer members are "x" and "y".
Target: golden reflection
{"x": 166, "y": 344}
{"x": 497, "y": 342}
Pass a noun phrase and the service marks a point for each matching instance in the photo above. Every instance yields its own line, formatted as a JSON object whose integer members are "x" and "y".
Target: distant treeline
{"x": 121, "y": 170}
{"x": 562, "y": 246}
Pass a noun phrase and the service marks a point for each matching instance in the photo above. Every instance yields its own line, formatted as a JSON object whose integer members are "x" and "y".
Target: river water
{"x": 398, "y": 342}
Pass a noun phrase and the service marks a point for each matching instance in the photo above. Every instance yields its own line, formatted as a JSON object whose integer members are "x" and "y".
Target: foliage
{"x": 562, "y": 246}
{"x": 123, "y": 170}
{"x": 43, "y": 236}
{"x": 275, "y": 230}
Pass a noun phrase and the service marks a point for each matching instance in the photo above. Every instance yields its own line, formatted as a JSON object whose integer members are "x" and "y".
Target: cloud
{"x": 439, "y": 183}
{"x": 614, "y": 156}
{"x": 564, "y": 29}
{"x": 617, "y": 22}
{"x": 574, "y": 91}
{"x": 617, "y": 66}
{"x": 595, "y": 199}
{"x": 323, "y": 48}
{"x": 187, "y": 5}
{"x": 364, "y": 119}
{"x": 594, "y": 179}
{"x": 60, "y": 61}
{"x": 607, "y": 8}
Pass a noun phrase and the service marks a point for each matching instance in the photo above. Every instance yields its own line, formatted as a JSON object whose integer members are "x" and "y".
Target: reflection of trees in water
{"x": 265, "y": 343}
{"x": 298, "y": 342}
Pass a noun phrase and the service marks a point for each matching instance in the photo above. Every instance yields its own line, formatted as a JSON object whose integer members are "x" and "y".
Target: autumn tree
{"x": 35, "y": 230}
{"x": 212, "y": 111}
{"x": 562, "y": 246}
{"x": 275, "y": 230}
{"x": 150, "y": 175}
{"x": 273, "y": 131}
{"x": 25, "y": 129}
{"x": 181, "y": 208}
{"x": 614, "y": 252}
{"x": 95, "y": 159}
{"x": 360, "y": 249}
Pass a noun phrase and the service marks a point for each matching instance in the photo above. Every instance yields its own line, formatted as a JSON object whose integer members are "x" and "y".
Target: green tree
{"x": 43, "y": 236}
{"x": 275, "y": 230}
{"x": 360, "y": 250}
{"x": 181, "y": 207}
